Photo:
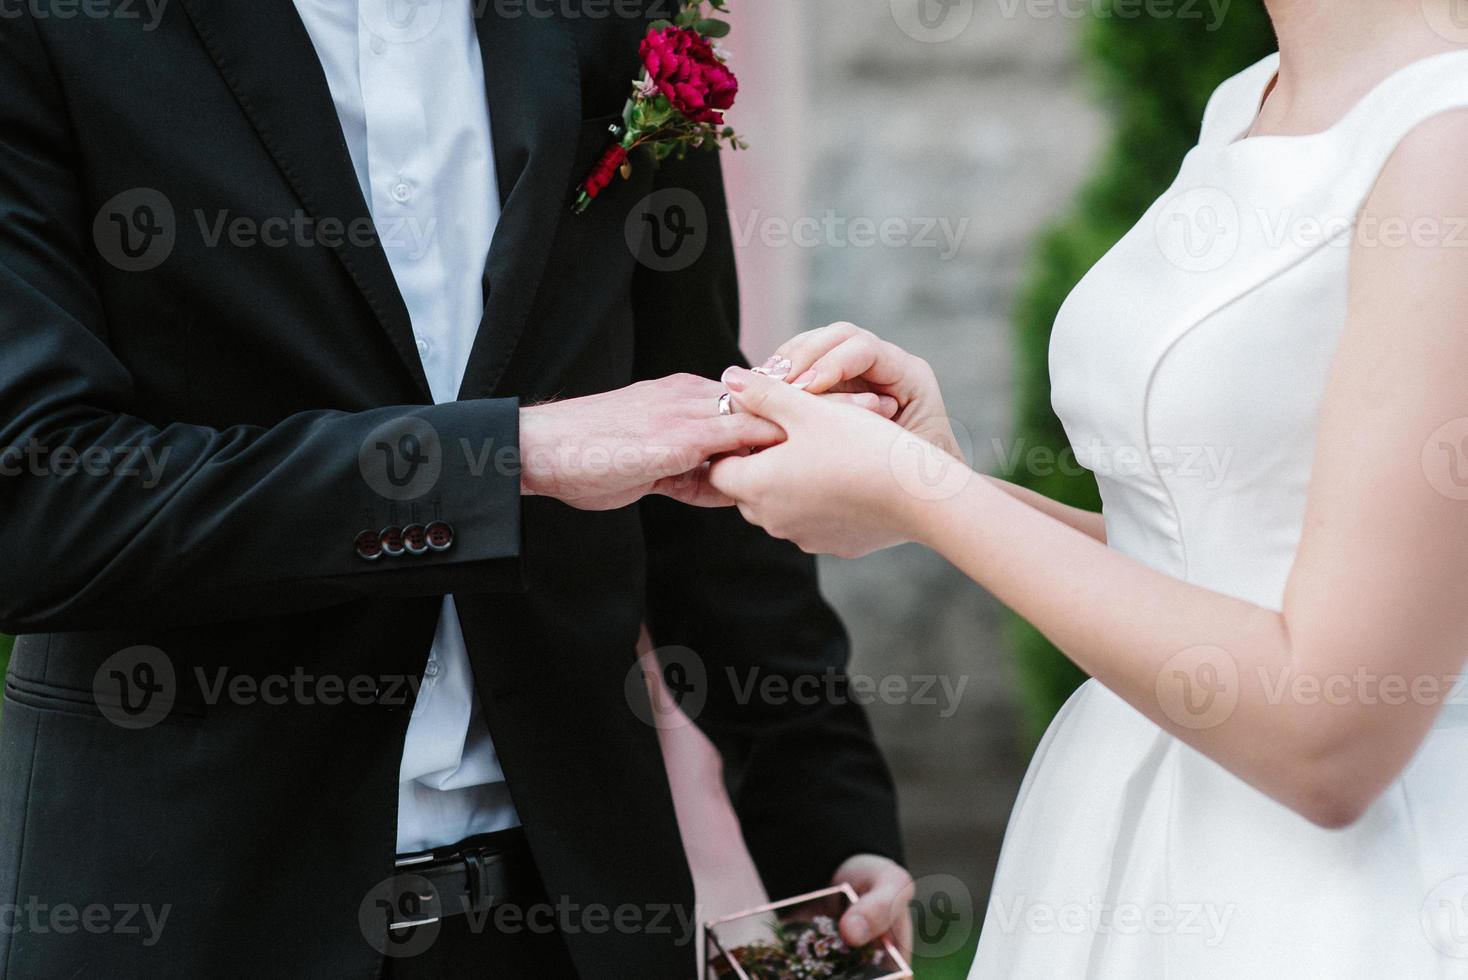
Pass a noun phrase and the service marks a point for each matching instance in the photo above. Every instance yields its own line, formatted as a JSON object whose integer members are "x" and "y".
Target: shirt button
{"x": 424, "y": 346}
{"x": 401, "y": 192}
{"x": 432, "y": 669}
{"x": 378, "y": 45}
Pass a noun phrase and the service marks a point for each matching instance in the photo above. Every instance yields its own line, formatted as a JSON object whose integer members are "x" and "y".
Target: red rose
{"x": 683, "y": 66}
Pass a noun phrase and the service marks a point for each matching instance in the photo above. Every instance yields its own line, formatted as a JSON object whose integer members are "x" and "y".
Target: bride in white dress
{"x": 1268, "y": 776}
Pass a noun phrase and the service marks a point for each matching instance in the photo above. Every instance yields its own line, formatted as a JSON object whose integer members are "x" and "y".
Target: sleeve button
{"x": 440, "y": 536}
{"x": 392, "y": 541}
{"x": 369, "y": 546}
{"x": 415, "y": 539}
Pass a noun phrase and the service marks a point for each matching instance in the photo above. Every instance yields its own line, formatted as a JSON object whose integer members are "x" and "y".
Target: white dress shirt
{"x": 408, "y": 84}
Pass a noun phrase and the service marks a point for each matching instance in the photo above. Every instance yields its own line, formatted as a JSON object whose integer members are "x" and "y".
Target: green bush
{"x": 1155, "y": 75}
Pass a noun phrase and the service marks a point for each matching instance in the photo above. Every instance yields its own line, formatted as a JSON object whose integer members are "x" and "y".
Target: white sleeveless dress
{"x": 1188, "y": 368}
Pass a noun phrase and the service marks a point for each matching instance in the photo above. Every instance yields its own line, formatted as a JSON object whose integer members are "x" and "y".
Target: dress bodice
{"x": 1188, "y": 367}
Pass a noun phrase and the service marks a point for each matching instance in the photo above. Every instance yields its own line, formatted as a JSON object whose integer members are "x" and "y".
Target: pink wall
{"x": 767, "y": 180}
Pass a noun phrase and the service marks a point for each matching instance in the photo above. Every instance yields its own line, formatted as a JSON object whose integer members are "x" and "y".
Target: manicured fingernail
{"x": 805, "y": 379}
{"x": 858, "y": 929}
{"x": 779, "y": 369}
{"x": 736, "y": 379}
{"x": 774, "y": 359}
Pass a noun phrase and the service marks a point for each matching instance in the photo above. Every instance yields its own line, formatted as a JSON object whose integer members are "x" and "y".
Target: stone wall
{"x": 989, "y": 131}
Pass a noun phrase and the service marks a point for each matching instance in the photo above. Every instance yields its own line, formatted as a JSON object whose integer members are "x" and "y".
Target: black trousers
{"x": 483, "y": 947}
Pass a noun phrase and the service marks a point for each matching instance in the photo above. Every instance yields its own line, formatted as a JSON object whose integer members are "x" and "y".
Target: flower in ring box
{"x": 686, "y": 69}
{"x": 678, "y": 101}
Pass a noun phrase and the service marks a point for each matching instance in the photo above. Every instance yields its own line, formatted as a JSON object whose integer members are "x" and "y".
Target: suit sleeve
{"x": 807, "y": 780}
{"x": 234, "y": 522}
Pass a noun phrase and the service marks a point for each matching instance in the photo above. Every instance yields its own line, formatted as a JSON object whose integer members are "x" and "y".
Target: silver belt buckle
{"x": 430, "y": 900}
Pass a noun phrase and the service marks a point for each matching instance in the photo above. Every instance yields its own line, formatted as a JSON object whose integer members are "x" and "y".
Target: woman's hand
{"x": 845, "y": 358}
{"x": 845, "y": 481}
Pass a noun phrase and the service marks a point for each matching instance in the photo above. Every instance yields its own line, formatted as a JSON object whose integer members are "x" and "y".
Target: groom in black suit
{"x": 233, "y": 506}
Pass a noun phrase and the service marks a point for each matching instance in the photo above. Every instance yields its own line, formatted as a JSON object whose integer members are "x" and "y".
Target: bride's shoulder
{"x": 1235, "y": 102}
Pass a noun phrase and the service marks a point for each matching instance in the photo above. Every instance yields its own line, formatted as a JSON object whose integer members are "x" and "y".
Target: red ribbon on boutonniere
{"x": 678, "y": 103}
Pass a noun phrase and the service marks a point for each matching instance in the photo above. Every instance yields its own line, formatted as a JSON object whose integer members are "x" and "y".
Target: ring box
{"x": 741, "y": 946}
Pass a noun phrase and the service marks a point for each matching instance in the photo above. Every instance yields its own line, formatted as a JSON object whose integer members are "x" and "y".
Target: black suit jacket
{"x": 264, "y": 379}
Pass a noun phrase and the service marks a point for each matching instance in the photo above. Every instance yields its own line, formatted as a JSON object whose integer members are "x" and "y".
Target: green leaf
{"x": 713, "y": 28}
{"x": 659, "y": 25}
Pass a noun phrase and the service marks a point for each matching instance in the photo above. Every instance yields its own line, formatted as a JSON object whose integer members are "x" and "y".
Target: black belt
{"x": 472, "y": 876}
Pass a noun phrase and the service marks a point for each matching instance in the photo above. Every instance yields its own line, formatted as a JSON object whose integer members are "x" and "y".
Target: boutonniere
{"x": 679, "y": 101}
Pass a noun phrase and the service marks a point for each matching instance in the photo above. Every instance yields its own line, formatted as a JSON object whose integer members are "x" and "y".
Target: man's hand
{"x": 883, "y": 888}
{"x": 606, "y": 451}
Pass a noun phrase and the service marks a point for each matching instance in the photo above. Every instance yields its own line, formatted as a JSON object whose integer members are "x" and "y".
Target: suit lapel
{"x": 266, "y": 57}
{"x": 533, "y": 83}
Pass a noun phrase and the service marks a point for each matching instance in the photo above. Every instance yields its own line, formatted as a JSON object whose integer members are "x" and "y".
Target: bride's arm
{"x": 1333, "y": 694}
{"x": 1088, "y": 522}
{"x": 844, "y": 357}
